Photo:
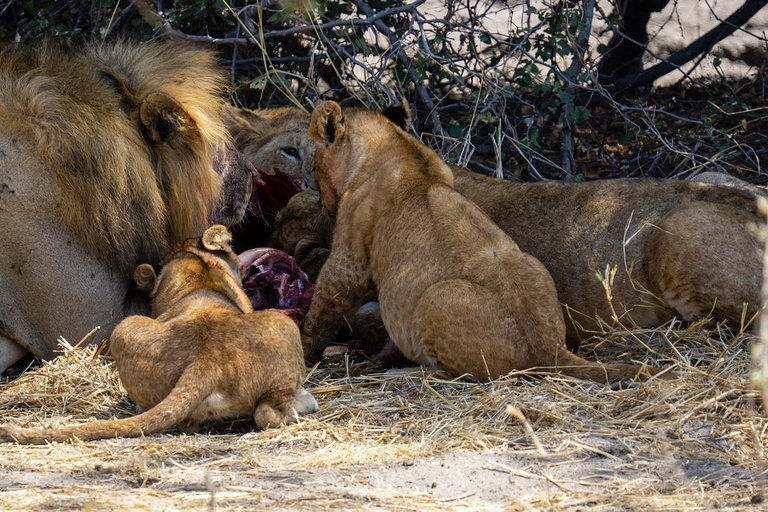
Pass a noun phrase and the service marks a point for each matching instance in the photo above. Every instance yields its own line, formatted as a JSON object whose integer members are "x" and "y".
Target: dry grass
{"x": 419, "y": 440}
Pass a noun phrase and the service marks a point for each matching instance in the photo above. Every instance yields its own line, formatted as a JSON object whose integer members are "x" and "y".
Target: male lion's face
{"x": 237, "y": 183}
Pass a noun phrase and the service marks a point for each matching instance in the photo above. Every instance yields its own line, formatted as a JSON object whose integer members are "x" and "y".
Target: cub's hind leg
{"x": 703, "y": 259}
{"x": 462, "y": 327}
{"x": 276, "y": 408}
{"x": 465, "y": 328}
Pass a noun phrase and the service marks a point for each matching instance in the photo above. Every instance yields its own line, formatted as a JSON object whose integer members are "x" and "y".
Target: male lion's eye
{"x": 290, "y": 152}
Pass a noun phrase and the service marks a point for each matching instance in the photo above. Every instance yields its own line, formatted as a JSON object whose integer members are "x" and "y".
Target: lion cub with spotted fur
{"x": 204, "y": 353}
{"x": 455, "y": 292}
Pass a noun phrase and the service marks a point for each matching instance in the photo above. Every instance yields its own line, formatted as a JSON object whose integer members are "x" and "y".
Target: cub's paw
{"x": 304, "y": 402}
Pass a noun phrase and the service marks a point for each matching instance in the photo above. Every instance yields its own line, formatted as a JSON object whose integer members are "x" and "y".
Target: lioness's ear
{"x": 217, "y": 238}
{"x": 399, "y": 114}
{"x": 164, "y": 118}
{"x": 243, "y": 122}
{"x": 327, "y": 122}
{"x": 145, "y": 277}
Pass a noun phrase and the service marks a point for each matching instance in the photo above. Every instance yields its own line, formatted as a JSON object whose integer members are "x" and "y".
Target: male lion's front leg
{"x": 341, "y": 288}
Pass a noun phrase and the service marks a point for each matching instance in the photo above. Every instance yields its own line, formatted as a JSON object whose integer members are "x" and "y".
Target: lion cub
{"x": 455, "y": 292}
{"x": 204, "y": 353}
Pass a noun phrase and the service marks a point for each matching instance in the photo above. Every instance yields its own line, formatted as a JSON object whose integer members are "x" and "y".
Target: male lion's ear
{"x": 327, "y": 122}
{"x": 217, "y": 238}
{"x": 399, "y": 114}
{"x": 145, "y": 277}
{"x": 163, "y": 117}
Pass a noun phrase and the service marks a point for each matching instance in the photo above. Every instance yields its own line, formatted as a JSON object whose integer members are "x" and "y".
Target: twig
{"x": 434, "y": 117}
{"x": 566, "y": 136}
{"x": 701, "y": 45}
{"x": 150, "y": 15}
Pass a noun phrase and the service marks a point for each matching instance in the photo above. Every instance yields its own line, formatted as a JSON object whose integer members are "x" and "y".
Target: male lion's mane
{"x": 81, "y": 115}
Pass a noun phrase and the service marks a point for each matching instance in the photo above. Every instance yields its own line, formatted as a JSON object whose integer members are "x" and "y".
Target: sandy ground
{"x": 158, "y": 474}
{"x": 678, "y": 25}
{"x": 414, "y": 440}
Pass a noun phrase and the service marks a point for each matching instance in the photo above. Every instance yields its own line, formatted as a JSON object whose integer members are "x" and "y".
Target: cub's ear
{"x": 327, "y": 122}
{"x": 217, "y": 238}
{"x": 145, "y": 277}
{"x": 165, "y": 119}
{"x": 400, "y": 115}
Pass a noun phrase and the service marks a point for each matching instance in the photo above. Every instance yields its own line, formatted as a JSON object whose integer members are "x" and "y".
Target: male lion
{"x": 108, "y": 157}
{"x": 204, "y": 353}
{"x": 455, "y": 292}
{"x": 679, "y": 248}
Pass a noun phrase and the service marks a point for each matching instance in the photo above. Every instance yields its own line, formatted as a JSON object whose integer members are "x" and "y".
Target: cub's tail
{"x": 184, "y": 398}
{"x": 572, "y": 365}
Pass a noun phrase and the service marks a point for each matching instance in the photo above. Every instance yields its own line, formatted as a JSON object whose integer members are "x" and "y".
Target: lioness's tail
{"x": 189, "y": 392}
{"x": 570, "y": 364}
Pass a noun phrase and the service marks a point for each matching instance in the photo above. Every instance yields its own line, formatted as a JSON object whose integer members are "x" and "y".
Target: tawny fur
{"x": 305, "y": 231}
{"x": 108, "y": 157}
{"x": 204, "y": 353}
{"x": 680, "y": 249}
{"x": 274, "y": 140}
{"x": 455, "y": 292}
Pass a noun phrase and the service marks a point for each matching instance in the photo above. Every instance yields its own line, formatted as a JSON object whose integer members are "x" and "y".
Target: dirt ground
{"x": 171, "y": 474}
{"x": 413, "y": 440}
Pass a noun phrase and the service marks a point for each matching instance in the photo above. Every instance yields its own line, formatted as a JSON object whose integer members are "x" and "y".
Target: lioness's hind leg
{"x": 702, "y": 259}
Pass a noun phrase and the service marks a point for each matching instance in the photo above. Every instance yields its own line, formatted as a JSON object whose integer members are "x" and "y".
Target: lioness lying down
{"x": 204, "y": 353}
{"x": 455, "y": 292}
{"x": 679, "y": 248}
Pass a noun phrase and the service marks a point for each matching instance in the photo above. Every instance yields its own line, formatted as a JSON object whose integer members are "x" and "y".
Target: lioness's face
{"x": 290, "y": 153}
{"x": 275, "y": 140}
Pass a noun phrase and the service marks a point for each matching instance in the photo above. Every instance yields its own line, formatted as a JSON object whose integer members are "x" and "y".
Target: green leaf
{"x": 258, "y": 83}
{"x": 457, "y": 131}
{"x": 626, "y": 138}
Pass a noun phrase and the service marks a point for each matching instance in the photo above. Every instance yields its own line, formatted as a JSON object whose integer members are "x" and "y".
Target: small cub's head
{"x": 207, "y": 262}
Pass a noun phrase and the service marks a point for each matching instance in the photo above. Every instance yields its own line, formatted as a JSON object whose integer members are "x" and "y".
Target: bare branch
{"x": 580, "y": 48}
{"x": 703, "y": 44}
{"x": 405, "y": 61}
{"x": 150, "y": 15}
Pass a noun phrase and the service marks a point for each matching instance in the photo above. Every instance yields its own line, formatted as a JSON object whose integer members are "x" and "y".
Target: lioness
{"x": 108, "y": 158}
{"x": 204, "y": 353}
{"x": 274, "y": 140}
{"x": 679, "y": 248}
{"x": 455, "y": 292}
